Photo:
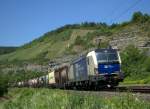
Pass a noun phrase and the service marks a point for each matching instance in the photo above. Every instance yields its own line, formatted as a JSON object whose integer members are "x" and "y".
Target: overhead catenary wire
{"x": 112, "y": 12}
{"x": 125, "y": 11}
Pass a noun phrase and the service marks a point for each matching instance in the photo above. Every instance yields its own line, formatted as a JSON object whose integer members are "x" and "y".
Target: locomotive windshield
{"x": 107, "y": 57}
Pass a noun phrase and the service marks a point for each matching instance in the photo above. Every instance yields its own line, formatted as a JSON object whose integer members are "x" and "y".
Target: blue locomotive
{"x": 99, "y": 68}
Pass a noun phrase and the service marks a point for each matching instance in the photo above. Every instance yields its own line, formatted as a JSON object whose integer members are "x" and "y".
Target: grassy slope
{"x": 54, "y": 45}
{"x": 51, "y": 48}
{"x": 49, "y": 99}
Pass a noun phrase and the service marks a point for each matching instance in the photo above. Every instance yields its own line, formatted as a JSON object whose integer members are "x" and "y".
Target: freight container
{"x": 71, "y": 77}
{"x": 35, "y": 82}
{"x": 46, "y": 79}
{"x": 51, "y": 78}
{"x": 64, "y": 75}
{"x": 30, "y": 82}
{"x": 57, "y": 76}
{"x": 61, "y": 76}
{"x": 42, "y": 81}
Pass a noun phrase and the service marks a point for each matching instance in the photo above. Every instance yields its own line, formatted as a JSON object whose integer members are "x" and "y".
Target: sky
{"x": 21, "y": 21}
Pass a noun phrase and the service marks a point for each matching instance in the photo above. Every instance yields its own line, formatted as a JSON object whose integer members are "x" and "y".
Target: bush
{"x": 132, "y": 55}
{"x": 5, "y": 50}
{"x": 103, "y": 44}
{"x": 135, "y": 63}
{"x": 139, "y": 17}
{"x": 147, "y": 64}
{"x": 3, "y": 85}
{"x": 79, "y": 41}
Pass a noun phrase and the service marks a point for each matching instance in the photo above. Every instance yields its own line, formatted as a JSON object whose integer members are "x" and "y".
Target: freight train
{"x": 98, "y": 69}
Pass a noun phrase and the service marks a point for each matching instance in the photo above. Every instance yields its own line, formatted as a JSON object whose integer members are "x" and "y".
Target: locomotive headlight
{"x": 117, "y": 72}
{"x": 106, "y": 66}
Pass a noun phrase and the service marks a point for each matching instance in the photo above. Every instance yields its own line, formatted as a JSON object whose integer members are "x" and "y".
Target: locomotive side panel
{"x": 80, "y": 70}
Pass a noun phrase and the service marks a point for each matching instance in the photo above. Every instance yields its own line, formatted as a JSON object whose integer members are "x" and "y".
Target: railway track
{"x": 141, "y": 92}
{"x": 133, "y": 89}
{"x": 140, "y": 89}
{"x": 130, "y": 89}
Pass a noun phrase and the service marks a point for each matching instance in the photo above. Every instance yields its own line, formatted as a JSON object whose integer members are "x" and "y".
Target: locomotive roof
{"x": 106, "y": 50}
{"x": 103, "y": 50}
{"x": 78, "y": 59}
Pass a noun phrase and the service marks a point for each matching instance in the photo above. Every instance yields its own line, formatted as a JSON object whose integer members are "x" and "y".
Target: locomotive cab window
{"x": 112, "y": 56}
{"x": 107, "y": 57}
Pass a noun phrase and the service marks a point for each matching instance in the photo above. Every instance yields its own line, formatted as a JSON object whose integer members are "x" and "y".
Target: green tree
{"x": 3, "y": 84}
{"x": 132, "y": 61}
{"x": 139, "y": 17}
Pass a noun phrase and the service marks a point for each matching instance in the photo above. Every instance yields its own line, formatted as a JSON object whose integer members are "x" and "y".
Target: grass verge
{"x": 28, "y": 98}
